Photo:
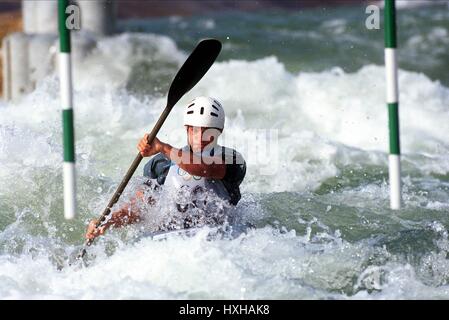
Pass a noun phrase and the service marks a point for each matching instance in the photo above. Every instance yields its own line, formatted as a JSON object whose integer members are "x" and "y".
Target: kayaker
{"x": 202, "y": 166}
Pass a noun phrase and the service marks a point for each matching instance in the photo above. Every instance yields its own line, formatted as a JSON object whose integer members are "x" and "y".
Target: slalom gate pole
{"x": 392, "y": 97}
{"x": 65, "y": 77}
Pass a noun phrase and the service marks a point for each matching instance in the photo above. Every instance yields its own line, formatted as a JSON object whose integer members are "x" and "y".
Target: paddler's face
{"x": 200, "y": 137}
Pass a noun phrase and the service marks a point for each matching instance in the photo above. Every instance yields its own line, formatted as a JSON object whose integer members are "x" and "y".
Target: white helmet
{"x": 204, "y": 112}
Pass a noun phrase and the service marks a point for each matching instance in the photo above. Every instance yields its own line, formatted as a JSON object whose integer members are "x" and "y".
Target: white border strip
{"x": 394, "y": 164}
{"x": 69, "y": 190}
{"x": 391, "y": 69}
{"x": 65, "y": 76}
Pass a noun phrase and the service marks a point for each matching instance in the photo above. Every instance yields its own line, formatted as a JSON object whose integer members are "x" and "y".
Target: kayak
{"x": 213, "y": 232}
{"x": 165, "y": 235}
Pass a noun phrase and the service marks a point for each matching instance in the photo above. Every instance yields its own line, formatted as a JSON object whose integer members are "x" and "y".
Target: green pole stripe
{"x": 390, "y": 24}
{"x": 68, "y": 135}
{"x": 393, "y": 122}
{"x": 64, "y": 33}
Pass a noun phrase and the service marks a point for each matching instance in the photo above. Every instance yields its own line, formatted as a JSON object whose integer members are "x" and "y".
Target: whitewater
{"x": 319, "y": 200}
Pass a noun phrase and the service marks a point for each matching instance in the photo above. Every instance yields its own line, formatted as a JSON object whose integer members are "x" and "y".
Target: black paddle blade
{"x": 193, "y": 69}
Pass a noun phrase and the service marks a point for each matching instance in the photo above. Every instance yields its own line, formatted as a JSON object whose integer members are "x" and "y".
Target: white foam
{"x": 322, "y": 119}
{"x": 109, "y": 67}
{"x": 263, "y": 264}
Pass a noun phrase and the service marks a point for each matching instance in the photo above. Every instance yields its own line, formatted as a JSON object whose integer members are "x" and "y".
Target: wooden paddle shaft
{"x": 131, "y": 171}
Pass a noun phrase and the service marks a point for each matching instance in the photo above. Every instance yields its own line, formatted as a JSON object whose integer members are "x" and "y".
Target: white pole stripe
{"x": 69, "y": 190}
{"x": 391, "y": 69}
{"x": 65, "y": 71}
{"x": 394, "y": 164}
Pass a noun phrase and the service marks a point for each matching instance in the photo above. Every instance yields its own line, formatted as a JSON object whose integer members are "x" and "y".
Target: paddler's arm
{"x": 127, "y": 214}
{"x": 214, "y": 168}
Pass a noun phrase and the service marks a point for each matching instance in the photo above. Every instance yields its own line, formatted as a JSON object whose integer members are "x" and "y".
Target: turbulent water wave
{"x": 322, "y": 224}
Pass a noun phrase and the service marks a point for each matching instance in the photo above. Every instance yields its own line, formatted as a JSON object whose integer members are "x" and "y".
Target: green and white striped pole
{"x": 65, "y": 77}
{"x": 391, "y": 67}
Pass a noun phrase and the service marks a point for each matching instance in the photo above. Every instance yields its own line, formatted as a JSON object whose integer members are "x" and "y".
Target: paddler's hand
{"x": 146, "y": 149}
{"x": 93, "y": 232}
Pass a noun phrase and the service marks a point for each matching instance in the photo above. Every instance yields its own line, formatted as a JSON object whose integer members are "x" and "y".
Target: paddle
{"x": 193, "y": 69}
